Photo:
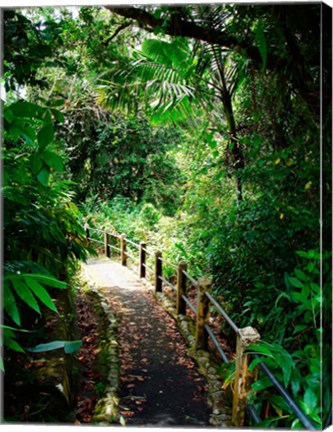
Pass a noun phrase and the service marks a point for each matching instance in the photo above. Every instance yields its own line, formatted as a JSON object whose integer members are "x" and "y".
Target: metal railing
{"x": 204, "y": 331}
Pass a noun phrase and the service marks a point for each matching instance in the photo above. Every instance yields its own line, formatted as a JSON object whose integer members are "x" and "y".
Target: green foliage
{"x": 300, "y": 369}
{"x": 43, "y": 236}
{"x": 153, "y": 77}
{"x": 128, "y": 157}
{"x": 27, "y": 47}
{"x": 27, "y": 288}
{"x": 9, "y": 340}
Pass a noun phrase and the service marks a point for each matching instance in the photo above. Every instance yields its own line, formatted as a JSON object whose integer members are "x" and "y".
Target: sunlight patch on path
{"x": 107, "y": 273}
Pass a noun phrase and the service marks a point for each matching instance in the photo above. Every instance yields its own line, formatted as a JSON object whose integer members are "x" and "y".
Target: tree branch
{"x": 177, "y": 26}
{"x": 119, "y": 29}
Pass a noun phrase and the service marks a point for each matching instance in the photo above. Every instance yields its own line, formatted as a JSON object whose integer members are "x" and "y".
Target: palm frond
{"x": 159, "y": 75}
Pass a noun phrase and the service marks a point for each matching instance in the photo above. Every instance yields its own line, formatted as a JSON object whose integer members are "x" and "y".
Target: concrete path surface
{"x": 160, "y": 385}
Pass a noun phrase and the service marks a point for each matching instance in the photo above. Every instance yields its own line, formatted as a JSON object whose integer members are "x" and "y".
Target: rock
{"x": 217, "y": 395}
{"x": 215, "y": 385}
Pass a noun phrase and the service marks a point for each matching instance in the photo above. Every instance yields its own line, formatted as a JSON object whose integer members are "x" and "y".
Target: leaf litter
{"x": 158, "y": 379}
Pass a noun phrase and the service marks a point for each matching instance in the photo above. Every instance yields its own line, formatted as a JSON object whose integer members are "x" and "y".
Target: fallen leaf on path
{"x": 127, "y": 413}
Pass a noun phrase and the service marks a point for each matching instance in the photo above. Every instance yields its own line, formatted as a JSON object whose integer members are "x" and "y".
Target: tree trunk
{"x": 236, "y": 150}
{"x": 238, "y": 162}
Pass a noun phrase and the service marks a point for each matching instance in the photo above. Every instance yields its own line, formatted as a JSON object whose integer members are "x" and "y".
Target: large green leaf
{"x": 26, "y": 109}
{"x": 300, "y": 275}
{"x": 57, "y": 102}
{"x": 10, "y": 305}
{"x": 36, "y": 162}
{"x": 261, "y": 349}
{"x": 45, "y": 135}
{"x": 295, "y": 282}
{"x": 310, "y": 399}
{"x": 285, "y": 361}
{"x": 46, "y": 280}
{"x": 23, "y": 291}
{"x": 58, "y": 115}
{"x": 276, "y": 352}
{"x": 261, "y": 384}
{"x": 41, "y": 293}
{"x": 10, "y": 342}
{"x": 53, "y": 160}
{"x": 8, "y": 114}
{"x": 68, "y": 346}
{"x": 19, "y": 130}
{"x": 43, "y": 176}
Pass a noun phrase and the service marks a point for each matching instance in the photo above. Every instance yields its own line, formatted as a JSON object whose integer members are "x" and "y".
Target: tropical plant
{"x": 42, "y": 232}
{"x": 298, "y": 363}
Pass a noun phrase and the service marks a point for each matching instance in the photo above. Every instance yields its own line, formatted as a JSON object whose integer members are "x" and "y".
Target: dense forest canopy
{"x": 195, "y": 128}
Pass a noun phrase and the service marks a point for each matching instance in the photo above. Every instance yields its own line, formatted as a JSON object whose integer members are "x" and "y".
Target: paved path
{"x": 160, "y": 385}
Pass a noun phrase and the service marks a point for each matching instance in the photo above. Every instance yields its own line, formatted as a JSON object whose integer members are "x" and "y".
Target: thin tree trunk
{"x": 236, "y": 149}
{"x": 238, "y": 162}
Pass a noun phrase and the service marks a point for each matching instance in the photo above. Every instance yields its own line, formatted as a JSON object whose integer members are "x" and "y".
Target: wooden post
{"x": 181, "y": 287}
{"x": 158, "y": 271}
{"x": 243, "y": 377}
{"x": 123, "y": 256}
{"x": 107, "y": 244}
{"x": 201, "y": 340}
{"x": 142, "y": 268}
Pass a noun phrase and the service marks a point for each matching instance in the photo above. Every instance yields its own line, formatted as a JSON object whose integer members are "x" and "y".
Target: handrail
{"x": 216, "y": 343}
{"x": 222, "y": 312}
{"x": 194, "y": 282}
{"x": 113, "y": 234}
{"x": 168, "y": 263}
{"x": 131, "y": 256}
{"x": 168, "y": 283}
{"x": 253, "y": 413}
{"x": 97, "y": 230}
{"x": 148, "y": 251}
{"x": 193, "y": 308}
{"x": 305, "y": 420}
{"x": 148, "y": 268}
{"x": 132, "y": 243}
{"x": 97, "y": 241}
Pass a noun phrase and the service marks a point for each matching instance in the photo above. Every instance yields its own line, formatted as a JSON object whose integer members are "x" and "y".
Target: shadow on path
{"x": 160, "y": 385}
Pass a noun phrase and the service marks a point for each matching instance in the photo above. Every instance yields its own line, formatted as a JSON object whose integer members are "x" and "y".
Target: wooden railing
{"x": 203, "y": 331}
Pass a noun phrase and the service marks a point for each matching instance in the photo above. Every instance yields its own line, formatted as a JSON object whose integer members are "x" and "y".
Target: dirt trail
{"x": 160, "y": 385}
